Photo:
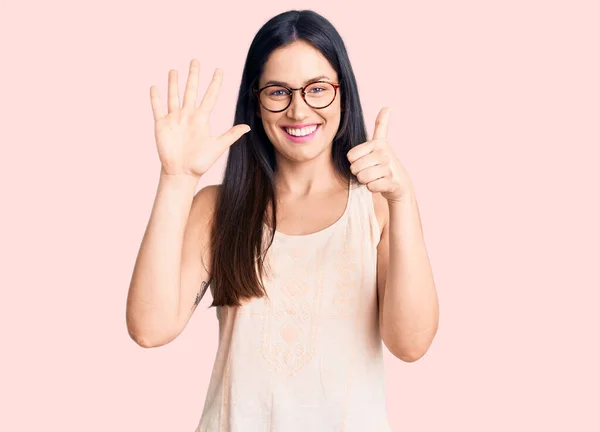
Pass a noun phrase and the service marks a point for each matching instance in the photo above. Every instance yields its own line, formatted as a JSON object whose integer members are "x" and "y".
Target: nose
{"x": 298, "y": 109}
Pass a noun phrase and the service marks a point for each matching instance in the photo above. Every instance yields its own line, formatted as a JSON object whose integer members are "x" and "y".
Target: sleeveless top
{"x": 307, "y": 358}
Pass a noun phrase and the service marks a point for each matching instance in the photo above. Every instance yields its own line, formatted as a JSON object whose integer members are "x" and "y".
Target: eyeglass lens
{"x": 318, "y": 95}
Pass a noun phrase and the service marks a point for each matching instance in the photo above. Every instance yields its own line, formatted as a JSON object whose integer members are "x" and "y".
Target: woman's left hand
{"x": 375, "y": 164}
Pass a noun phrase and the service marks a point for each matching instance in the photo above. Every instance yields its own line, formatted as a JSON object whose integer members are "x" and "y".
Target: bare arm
{"x": 171, "y": 267}
{"x": 168, "y": 270}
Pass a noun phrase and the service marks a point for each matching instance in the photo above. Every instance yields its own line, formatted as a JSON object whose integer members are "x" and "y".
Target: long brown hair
{"x": 248, "y": 186}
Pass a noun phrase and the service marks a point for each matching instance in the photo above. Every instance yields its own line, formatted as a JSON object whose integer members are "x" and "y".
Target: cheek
{"x": 270, "y": 127}
{"x": 269, "y": 119}
{"x": 334, "y": 119}
{"x": 334, "y": 112}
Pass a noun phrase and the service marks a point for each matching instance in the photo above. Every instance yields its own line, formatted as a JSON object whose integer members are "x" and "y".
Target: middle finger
{"x": 191, "y": 88}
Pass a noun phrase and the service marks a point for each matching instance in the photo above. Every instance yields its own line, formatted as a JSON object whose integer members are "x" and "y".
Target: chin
{"x": 305, "y": 153}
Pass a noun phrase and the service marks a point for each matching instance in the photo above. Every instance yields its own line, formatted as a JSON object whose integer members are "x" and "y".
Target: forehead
{"x": 295, "y": 64}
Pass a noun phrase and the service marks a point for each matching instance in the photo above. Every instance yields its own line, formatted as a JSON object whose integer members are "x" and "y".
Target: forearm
{"x": 153, "y": 298}
{"x": 410, "y": 311}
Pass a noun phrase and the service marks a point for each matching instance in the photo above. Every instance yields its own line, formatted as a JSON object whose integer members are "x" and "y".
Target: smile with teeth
{"x": 301, "y": 132}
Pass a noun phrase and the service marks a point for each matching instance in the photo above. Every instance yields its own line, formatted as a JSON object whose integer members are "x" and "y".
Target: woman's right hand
{"x": 185, "y": 145}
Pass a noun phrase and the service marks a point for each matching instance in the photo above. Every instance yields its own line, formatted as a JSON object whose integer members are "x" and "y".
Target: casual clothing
{"x": 309, "y": 357}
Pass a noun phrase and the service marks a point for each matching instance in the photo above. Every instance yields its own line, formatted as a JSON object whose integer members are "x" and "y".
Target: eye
{"x": 277, "y": 93}
{"x": 317, "y": 88}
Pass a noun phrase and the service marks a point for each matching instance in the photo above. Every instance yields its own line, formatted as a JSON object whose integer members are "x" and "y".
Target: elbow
{"x": 142, "y": 341}
{"x": 410, "y": 356}
{"x": 150, "y": 334}
{"x": 406, "y": 351}
{"x": 147, "y": 340}
{"x": 405, "y": 354}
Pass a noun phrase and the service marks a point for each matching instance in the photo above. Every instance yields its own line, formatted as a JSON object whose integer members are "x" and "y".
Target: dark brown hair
{"x": 247, "y": 188}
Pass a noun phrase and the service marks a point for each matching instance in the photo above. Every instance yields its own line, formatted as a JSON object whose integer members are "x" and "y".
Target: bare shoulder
{"x": 205, "y": 199}
{"x": 381, "y": 209}
{"x": 209, "y": 192}
{"x": 202, "y": 212}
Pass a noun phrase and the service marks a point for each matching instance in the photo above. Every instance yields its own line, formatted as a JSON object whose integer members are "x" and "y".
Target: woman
{"x": 294, "y": 243}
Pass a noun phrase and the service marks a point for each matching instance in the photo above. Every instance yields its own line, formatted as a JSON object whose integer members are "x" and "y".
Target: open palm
{"x": 183, "y": 138}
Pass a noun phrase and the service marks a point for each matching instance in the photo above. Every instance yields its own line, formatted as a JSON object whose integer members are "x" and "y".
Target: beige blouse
{"x": 309, "y": 357}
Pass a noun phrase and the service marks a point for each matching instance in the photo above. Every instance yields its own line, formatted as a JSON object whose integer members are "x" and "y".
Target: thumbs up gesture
{"x": 375, "y": 164}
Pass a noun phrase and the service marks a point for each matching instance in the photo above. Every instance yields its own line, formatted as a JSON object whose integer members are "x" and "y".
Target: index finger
{"x": 210, "y": 97}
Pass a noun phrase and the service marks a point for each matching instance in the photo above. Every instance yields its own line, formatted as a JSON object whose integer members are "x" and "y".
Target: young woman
{"x": 313, "y": 234}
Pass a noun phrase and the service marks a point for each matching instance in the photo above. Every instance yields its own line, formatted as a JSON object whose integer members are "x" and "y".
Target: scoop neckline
{"x": 324, "y": 230}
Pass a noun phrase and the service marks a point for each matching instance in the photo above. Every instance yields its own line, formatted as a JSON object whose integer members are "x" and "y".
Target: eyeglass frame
{"x": 292, "y": 90}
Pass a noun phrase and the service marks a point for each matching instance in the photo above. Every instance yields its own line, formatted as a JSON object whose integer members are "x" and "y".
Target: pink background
{"x": 495, "y": 117}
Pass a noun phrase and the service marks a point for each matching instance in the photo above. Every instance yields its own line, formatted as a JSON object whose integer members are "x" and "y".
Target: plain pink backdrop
{"x": 495, "y": 117}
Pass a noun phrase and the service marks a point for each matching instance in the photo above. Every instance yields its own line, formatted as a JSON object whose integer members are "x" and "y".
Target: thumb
{"x": 233, "y": 134}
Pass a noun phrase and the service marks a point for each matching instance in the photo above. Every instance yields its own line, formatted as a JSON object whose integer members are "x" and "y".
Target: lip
{"x": 303, "y": 138}
{"x": 299, "y": 126}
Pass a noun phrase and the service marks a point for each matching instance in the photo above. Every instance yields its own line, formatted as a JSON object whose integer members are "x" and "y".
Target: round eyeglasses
{"x": 277, "y": 98}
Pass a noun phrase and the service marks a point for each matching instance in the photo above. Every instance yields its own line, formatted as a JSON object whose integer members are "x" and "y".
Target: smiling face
{"x": 295, "y": 65}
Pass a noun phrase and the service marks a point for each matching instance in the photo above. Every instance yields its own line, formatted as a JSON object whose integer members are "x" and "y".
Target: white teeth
{"x": 301, "y": 132}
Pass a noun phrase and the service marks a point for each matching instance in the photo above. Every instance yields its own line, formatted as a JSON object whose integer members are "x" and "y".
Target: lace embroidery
{"x": 290, "y": 316}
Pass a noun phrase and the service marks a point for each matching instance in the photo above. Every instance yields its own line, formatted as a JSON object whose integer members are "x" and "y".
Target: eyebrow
{"x": 320, "y": 77}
